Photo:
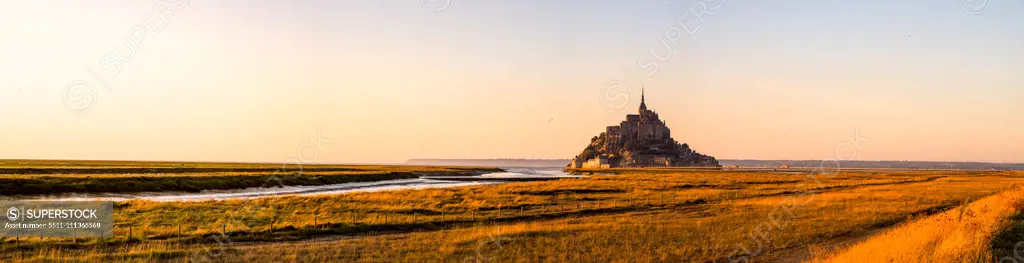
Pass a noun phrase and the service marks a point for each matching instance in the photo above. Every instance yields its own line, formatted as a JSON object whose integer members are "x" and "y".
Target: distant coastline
{"x": 558, "y": 163}
{"x": 524, "y": 163}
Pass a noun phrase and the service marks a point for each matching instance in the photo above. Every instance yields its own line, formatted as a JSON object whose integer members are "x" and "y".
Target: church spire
{"x": 643, "y": 106}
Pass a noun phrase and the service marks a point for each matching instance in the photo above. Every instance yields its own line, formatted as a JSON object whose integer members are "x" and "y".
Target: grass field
{"x": 964, "y": 234}
{"x": 27, "y": 177}
{"x": 636, "y": 216}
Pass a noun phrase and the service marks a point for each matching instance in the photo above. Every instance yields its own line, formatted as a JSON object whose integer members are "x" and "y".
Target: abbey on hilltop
{"x": 642, "y": 140}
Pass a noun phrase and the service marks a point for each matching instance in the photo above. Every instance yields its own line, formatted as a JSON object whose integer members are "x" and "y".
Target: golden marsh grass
{"x": 702, "y": 216}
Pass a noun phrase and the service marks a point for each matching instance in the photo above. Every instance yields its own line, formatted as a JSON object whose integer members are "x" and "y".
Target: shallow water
{"x": 387, "y": 185}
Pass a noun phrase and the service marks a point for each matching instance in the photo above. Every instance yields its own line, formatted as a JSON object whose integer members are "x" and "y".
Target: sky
{"x": 386, "y": 81}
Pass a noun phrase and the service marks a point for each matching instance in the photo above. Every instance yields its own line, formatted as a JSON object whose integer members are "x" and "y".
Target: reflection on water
{"x": 387, "y": 185}
{"x": 529, "y": 172}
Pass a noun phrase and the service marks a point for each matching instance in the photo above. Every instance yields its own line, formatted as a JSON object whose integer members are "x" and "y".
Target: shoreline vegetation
{"x": 969, "y": 233}
{"x": 639, "y": 215}
{"x": 66, "y": 177}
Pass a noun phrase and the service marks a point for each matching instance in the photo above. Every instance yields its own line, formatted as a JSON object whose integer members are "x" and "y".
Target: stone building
{"x": 599, "y": 162}
{"x": 641, "y": 140}
{"x": 645, "y": 125}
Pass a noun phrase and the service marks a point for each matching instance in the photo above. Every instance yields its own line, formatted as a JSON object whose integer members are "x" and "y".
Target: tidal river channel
{"x": 510, "y": 175}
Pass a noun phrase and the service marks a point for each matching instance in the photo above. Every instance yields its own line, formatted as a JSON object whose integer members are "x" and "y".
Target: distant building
{"x": 576, "y": 163}
{"x": 599, "y": 162}
{"x": 642, "y": 140}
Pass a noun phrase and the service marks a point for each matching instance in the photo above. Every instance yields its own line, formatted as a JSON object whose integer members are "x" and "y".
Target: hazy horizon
{"x": 384, "y": 82}
{"x": 406, "y": 162}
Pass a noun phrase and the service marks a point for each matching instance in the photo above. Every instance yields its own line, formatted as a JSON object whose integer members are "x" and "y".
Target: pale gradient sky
{"x": 388, "y": 81}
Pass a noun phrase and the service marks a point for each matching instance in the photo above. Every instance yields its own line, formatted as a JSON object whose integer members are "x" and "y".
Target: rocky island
{"x": 642, "y": 140}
